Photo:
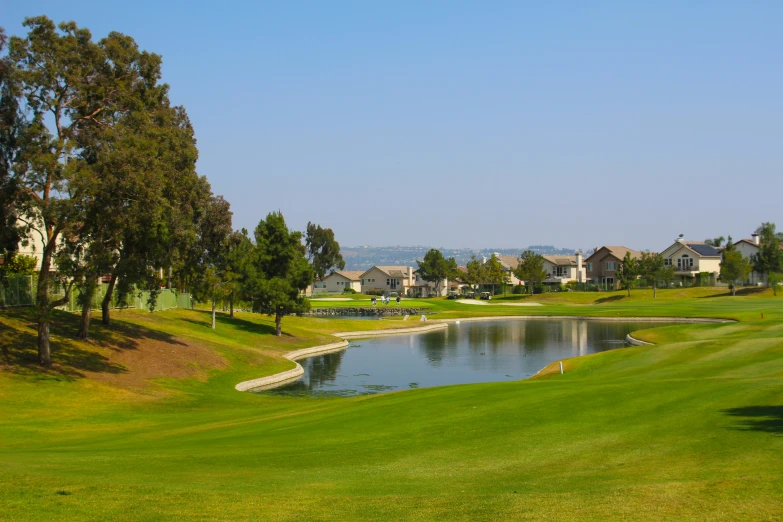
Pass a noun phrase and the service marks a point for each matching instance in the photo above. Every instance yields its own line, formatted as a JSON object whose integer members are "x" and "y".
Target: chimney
{"x": 756, "y": 238}
{"x": 579, "y": 267}
{"x": 483, "y": 260}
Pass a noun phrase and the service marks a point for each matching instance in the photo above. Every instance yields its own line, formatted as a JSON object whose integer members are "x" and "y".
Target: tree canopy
{"x": 734, "y": 267}
{"x": 282, "y": 271}
{"x": 628, "y": 271}
{"x": 530, "y": 269}
{"x": 434, "y": 268}
{"x": 322, "y": 250}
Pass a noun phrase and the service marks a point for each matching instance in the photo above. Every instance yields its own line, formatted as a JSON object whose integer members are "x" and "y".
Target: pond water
{"x": 470, "y": 352}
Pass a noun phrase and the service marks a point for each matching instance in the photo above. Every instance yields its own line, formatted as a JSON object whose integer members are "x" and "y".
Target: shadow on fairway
{"x": 237, "y": 323}
{"x": 758, "y": 418}
{"x": 751, "y": 290}
{"x": 70, "y": 357}
{"x": 610, "y": 299}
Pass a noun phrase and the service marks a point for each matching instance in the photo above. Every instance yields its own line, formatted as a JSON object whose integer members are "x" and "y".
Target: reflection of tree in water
{"x": 434, "y": 347}
{"x": 319, "y": 370}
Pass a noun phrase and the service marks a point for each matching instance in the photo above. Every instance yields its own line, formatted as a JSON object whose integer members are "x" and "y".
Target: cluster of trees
{"x": 268, "y": 271}
{"x": 650, "y": 266}
{"x": 100, "y": 167}
{"x": 767, "y": 262}
{"x": 96, "y": 163}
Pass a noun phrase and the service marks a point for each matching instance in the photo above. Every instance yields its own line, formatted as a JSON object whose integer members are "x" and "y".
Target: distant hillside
{"x": 363, "y": 257}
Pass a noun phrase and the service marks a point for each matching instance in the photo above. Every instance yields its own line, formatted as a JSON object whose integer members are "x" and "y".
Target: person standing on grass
{"x": 398, "y": 300}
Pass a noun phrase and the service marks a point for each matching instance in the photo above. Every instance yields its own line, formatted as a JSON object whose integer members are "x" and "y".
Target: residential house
{"x": 689, "y": 258}
{"x": 564, "y": 269}
{"x": 601, "y": 266}
{"x": 422, "y": 288}
{"x": 338, "y": 281}
{"x": 750, "y": 248}
{"x": 387, "y": 279}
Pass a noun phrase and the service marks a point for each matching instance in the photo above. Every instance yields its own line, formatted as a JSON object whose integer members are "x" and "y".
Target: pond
{"x": 464, "y": 353}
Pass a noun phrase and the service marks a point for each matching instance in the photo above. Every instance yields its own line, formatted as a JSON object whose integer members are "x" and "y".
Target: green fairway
{"x": 143, "y": 423}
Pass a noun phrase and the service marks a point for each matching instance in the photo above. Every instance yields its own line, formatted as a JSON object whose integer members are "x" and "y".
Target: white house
{"x": 387, "y": 279}
{"x": 689, "y": 258}
{"x": 338, "y": 281}
{"x": 564, "y": 269}
{"x": 749, "y": 248}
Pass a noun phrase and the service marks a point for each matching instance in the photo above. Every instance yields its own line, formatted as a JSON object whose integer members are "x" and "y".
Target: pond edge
{"x": 288, "y": 376}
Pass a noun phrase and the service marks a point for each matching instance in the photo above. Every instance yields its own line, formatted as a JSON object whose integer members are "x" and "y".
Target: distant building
{"x": 338, "y": 281}
{"x": 689, "y": 258}
{"x": 387, "y": 279}
{"x": 601, "y": 266}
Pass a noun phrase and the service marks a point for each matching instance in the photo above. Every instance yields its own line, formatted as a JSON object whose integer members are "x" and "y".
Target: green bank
{"x": 143, "y": 423}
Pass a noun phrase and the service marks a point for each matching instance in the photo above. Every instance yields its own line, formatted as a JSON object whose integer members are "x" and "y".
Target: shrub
{"x": 349, "y": 291}
{"x": 518, "y": 289}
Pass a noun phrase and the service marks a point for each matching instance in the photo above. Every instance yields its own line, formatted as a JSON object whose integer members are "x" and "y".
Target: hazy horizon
{"x": 473, "y": 125}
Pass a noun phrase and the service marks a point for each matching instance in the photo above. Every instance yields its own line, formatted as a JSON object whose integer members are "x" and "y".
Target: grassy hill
{"x": 143, "y": 423}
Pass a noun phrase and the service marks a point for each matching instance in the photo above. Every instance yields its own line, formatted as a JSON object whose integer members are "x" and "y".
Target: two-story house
{"x": 339, "y": 281}
{"x": 601, "y": 265}
{"x": 689, "y": 258}
{"x": 564, "y": 269}
{"x": 388, "y": 279}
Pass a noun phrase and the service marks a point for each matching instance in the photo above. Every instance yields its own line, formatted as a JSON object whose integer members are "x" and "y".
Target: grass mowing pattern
{"x": 690, "y": 429}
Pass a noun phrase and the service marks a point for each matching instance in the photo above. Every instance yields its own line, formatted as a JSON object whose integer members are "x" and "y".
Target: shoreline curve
{"x": 288, "y": 376}
{"x": 279, "y": 379}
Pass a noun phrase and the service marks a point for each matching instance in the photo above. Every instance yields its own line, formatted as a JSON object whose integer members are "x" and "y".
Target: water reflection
{"x": 465, "y": 353}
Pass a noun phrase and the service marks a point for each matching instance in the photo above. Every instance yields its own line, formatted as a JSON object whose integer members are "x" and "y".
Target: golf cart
{"x": 486, "y": 296}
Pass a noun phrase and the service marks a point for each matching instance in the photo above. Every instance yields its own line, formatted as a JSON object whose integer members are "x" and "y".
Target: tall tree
{"x": 70, "y": 88}
{"x": 213, "y": 246}
{"x": 10, "y": 128}
{"x": 716, "y": 242}
{"x": 240, "y": 270}
{"x": 434, "y": 268}
{"x": 474, "y": 273}
{"x": 653, "y": 268}
{"x": 494, "y": 273}
{"x": 323, "y": 250}
{"x": 734, "y": 267}
{"x": 769, "y": 259}
{"x": 627, "y": 272}
{"x": 282, "y": 270}
{"x": 530, "y": 269}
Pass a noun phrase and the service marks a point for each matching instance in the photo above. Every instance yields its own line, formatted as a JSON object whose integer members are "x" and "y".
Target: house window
{"x": 589, "y": 267}
{"x": 667, "y": 262}
{"x": 388, "y": 282}
{"x": 611, "y": 265}
{"x": 362, "y": 281}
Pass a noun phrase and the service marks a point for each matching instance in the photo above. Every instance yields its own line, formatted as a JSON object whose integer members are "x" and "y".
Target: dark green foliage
{"x": 628, "y": 271}
{"x": 769, "y": 259}
{"x": 734, "y": 268}
{"x": 434, "y": 268}
{"x": 282, "y": 270}
{"x": 531, "y": 269}
{"x": 322, "y": 250}
{"x": 653, "y": 268}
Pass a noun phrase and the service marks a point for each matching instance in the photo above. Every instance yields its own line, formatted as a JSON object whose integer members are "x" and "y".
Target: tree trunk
{"x": 105, "y": 305}
{"x": 655, "y": 291}
{"x": 42, "y": 310}
{"x": 84, "y": 323}
{"x": 278, "y": 323}
{"x": 168, "y": 285}
{"x": 733, "y": 290}
{"x": 629, "y": 290}
{"x": 231, "y": 305}
{"x": 214, "y": 305}
{"x": 44, "y": 354}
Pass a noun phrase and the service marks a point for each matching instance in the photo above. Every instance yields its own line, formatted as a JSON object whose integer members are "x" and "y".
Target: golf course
{"x": 143, "y": 421}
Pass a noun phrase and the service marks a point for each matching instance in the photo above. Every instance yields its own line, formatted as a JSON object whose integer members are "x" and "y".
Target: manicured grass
{"x": 689, "y": 429}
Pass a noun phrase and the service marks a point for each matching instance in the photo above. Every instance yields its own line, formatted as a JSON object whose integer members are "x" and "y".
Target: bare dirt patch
{"x": 154, "y": 359}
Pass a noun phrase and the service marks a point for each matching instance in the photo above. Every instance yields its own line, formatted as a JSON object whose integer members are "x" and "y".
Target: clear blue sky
{"x": 475, "y": 124}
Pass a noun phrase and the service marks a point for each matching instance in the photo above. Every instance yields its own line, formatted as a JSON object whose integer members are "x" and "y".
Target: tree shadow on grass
{"x": 750, "y": 290}
{"x": 70, "y": 357}
{"x": 222, "y": 319}
{"x": 610, "y": 299}
{"x": 768, "y": 419}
